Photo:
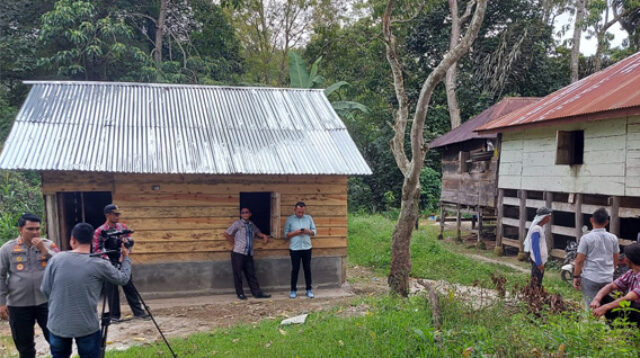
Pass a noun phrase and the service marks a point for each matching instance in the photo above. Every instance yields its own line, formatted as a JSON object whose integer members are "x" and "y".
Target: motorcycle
{"x": 570, "y": 253}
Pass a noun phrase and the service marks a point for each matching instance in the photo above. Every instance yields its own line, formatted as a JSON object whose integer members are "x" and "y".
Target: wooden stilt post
{"x": 614, "y": 225}
{"x": 522, "y": 223}
{"x": 579, "y": 218}
{"x": 443, "y": 214}
{"x": 458, "y": 222}
{"x": 548, "y": 234}
{"x": 498, "y": 250}
{"x": 480, "y": 243}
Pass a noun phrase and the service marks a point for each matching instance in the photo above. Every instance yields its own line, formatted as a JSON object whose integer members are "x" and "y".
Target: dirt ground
{"x": 179, "y": 317}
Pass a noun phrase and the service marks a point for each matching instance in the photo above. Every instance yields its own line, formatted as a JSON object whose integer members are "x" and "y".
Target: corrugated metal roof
{"x": 609, "y": 93}
{"x": 181, "y": 129}
{"x": 465, "y": 131}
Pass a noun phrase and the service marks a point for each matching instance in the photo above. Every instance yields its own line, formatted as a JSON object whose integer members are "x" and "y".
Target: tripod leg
{"x": 144, "y": 304}
{"x": 106, "y": 321}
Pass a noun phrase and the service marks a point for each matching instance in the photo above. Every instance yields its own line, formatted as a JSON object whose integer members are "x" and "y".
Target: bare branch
{"x": 402, "y": 114}
{"x": 418, "y": 149}
{"x": 467, "y": 11}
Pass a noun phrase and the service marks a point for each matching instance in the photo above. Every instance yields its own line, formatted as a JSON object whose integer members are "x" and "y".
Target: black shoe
{"x": 262, "y": 295}
{"x": 144, "y": 317}
{"x": 242, "y": 297}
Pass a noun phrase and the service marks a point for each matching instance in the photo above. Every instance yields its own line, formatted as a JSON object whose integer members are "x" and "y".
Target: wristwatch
{"x": 574, "y": 276}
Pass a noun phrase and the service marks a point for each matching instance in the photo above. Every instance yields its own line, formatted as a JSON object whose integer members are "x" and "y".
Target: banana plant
{"x": 300, "y": 78}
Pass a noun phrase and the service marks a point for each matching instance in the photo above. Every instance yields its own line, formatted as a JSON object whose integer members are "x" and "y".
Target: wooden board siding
{"x": 477, "y": 186}
{"x": 183, "y": 217}
{"x": 611, "y": 159}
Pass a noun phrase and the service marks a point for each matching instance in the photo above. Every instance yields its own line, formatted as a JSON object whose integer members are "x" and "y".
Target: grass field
{"x": 392, "y": 326}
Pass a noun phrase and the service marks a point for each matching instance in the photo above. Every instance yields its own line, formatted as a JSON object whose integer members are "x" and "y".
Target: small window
{"x": 569, "y": 147}
{"x": 464, "y": 162}
{"x": 265, "y": 210}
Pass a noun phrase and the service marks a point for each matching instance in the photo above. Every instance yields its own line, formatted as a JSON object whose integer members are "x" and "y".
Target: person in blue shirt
{"x": 299, "y": 229}
{"x": 536, "y": 245}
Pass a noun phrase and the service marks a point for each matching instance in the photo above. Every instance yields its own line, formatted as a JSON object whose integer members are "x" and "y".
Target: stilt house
{"x": 180, "y": 160}
{"x": 574, "y": 150}
{"x": 470, "y": 165}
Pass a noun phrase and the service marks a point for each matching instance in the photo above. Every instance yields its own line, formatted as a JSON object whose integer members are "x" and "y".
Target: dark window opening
{"x": 570, "y": 147}
{"x": 77, "y": 207}
{"x": 260, "y": 205}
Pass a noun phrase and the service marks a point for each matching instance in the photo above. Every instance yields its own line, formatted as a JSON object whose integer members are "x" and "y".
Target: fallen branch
{"x": 433, "y": 300}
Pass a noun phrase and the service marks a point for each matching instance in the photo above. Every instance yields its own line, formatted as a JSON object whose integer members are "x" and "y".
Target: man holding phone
{"x": 299, "y": 229}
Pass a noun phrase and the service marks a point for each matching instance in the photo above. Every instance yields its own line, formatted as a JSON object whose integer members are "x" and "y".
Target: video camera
{"x": 112, "y": 242}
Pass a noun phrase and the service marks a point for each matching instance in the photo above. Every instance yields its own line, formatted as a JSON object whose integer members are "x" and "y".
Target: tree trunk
{"x": 401, "y": 239}
{"x": 157, "y": 51}
{"x": 577, "y": 33}
{"x": 450, "y": 79}
{"x": 400, "y": 246}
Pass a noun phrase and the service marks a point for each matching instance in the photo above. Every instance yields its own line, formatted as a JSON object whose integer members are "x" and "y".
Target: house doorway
{"x": 80, "y": 206}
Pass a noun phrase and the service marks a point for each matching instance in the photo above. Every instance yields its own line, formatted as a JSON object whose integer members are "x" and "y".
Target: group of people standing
{"x": 298, "y": 231}
{"x": 60, "y": 290}
{"x": 596, "y": 261}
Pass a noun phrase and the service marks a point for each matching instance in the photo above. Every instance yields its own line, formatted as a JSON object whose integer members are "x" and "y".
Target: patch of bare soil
{"x": 178, "y": 317}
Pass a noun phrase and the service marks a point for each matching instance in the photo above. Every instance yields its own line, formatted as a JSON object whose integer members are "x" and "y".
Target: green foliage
{"x": 430, "y": 184}
{"x": 87, "y": 41}
{"x": 19, "y": 193}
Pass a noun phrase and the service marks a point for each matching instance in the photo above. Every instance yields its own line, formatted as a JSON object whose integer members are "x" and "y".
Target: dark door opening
{"x": 260, "y": 205}
{"x": 77, "y": 207}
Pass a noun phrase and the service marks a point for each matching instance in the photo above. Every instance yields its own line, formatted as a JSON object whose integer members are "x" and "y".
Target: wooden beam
{"x": 479, "y": 224}
{"x": 578, "y": 215}
{"x": 443, "y": 214}
{"x": 458, "y": 221}
{"x": 499, "y": 219}
{"x": 614, "y": 226}
{"x": 548, "y": 234}
{"x": 522, "y": 214}
{"x": 52, "y": 218}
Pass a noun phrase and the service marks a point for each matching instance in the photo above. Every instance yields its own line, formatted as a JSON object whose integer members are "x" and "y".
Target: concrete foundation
{"x": 174, "y": 279}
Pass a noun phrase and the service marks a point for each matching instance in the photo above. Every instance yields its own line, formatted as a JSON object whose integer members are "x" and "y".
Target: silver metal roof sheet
{"x": 179, "y": 129}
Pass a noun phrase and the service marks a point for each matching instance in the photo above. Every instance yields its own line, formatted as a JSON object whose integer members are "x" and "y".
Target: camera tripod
{"x": 106, "y": 321}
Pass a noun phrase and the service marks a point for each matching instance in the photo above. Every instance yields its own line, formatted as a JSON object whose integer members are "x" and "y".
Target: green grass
{"x": 398, "y": 327}
{"x": 370, "y": 245}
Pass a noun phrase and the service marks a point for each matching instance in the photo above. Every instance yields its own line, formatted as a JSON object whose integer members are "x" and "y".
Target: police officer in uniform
{"x": 22, "y": 264}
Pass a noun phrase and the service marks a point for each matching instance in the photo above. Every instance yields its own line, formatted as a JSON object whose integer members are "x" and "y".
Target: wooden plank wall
{"x": 474, "y": 187}
{"x": 610, "y": 155}
{"x": 184, "y": 219}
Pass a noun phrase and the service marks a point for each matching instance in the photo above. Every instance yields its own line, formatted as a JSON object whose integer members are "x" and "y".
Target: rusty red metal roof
{"x": 610, "y": 93}
{"x": 465, "y": 131}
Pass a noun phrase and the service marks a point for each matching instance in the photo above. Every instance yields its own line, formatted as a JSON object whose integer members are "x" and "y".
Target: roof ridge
{"x": 164, "y": 85}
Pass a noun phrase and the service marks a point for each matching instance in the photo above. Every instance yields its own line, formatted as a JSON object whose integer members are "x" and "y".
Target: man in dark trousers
{"x": 240, "y": 234}
{"x": 112, "y": 213}
{"x": 22, "y": 264}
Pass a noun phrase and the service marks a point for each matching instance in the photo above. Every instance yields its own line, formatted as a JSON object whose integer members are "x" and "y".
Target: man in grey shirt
{"x": 72, "y": 282}
{"x": 598, "y": 253}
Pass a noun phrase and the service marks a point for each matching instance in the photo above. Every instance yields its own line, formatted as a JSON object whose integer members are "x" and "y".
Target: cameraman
{"x": 72, "y": 282}
{"x": 112, "y": 214}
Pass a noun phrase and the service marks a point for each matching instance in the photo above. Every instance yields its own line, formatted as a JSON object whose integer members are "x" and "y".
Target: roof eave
{"x": 588, "y": 117}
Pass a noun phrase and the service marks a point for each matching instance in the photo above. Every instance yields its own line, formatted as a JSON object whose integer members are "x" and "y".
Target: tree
{"x": 301, "y": 79}
{"x": 578, "y": 24}
{"x": 411, "y": 168}
{"x": 599, "y": 20}
{"x": 450, "y": 81}
{"x": 87, "y": 42}
{"x": 268, "y": 29}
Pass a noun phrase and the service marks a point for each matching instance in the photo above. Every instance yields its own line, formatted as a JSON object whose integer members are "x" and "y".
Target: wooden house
{"x": 470, "y": 165}
{"x": 575, "y": 150}
{"x": 180, "y": 160}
